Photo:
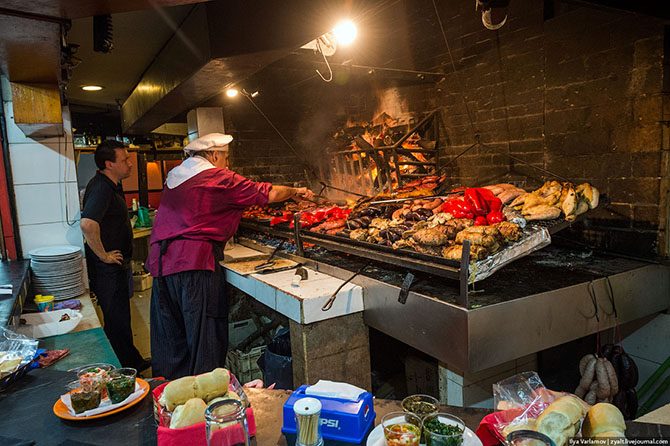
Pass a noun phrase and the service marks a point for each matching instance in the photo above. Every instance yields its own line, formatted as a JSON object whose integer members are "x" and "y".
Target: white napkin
{"x": 105, "y": 405}
{"x": 333, "y": 389}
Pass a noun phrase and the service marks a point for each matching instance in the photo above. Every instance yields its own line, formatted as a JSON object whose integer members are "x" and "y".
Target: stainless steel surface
{"x": 476, "y": 339}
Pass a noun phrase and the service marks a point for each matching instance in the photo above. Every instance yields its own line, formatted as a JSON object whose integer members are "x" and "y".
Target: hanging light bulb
{"x": 345, "y": 32}
{"x": 232, "y": 92}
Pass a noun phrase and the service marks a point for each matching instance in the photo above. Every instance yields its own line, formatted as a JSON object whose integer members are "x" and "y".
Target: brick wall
{"x": 257, "y": 151}
{"x": 573, "y": 90}
{"x": 577, "y": 93}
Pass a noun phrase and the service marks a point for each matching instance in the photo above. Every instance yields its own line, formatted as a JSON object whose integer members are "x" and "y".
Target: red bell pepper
{"x": 475, "y": 201}
{"x": 495, "y": 217}
{"x": 458, "y": 208}
{"x": 482, "y": 201}
{"x": 480, "y": 221}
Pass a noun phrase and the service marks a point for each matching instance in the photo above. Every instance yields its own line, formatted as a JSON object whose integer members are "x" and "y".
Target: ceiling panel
{"x": 138, "y": 37}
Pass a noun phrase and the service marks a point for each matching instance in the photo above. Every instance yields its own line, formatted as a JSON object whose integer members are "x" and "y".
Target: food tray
{"x": 19, "y": 373}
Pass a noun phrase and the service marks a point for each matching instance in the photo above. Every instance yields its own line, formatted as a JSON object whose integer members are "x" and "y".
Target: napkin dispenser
{"x": 342, "y": 421}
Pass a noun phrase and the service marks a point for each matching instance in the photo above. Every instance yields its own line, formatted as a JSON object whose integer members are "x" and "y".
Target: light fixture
{"x": 92, "y": 87}
{"x": 232, "y": 92}
{"x": 345, "y": 32}
{"x": 255, "y": 93}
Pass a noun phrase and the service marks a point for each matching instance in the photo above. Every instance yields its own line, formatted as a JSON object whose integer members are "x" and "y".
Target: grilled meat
{"x": 456, "y": 252}
{"x": 429, "y": 250}
{"x": 430, "y": 237}
{"x": 541, "y": 212}
{"x": 510, "y": 231}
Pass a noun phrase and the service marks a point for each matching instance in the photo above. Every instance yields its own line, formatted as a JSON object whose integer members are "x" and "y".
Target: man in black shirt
{"x": 109, "y": 235}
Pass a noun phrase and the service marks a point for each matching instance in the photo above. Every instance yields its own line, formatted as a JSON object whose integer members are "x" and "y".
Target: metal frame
{"x": 455, "y": 270}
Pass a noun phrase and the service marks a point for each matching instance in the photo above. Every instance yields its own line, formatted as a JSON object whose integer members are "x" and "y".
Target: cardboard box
{"x": 142, "y": 282}
{"x": 421, "y": 376}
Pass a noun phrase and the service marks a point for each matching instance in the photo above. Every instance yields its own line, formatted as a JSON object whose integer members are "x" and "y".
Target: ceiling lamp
{"x": 345, "y": 32}
{"x": 232, "y": 92}
{"x": 92, "y": 87}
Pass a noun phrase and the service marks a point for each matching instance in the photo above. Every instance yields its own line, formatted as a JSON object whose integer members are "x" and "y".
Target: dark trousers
{"x": 189, "y": 323}
{"x": 112, "y": 284}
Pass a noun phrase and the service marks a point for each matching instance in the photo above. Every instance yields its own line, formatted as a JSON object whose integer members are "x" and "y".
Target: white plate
{"x": 376, "y": 437}
{"x": 55, "y": 251}
{"x": 41, "y": 325}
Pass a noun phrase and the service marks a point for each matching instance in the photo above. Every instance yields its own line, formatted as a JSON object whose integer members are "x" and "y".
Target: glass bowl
{"x": 120, "y": 384}
{"x": 443, "y": 429}
{"x": 401, "y": 429}
{"x": 420, "y": 405}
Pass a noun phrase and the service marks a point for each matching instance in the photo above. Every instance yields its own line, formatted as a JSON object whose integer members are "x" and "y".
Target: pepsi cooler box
{"x": 343, "y": 422}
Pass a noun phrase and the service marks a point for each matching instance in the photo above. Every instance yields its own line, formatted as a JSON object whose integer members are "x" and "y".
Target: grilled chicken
{"x": 541, "y": 212}
{"x": 510, "y": 231}
{"x": 589, "y": 194}
{"x": 430, "y": 237}
{"x": 456, "y": 252}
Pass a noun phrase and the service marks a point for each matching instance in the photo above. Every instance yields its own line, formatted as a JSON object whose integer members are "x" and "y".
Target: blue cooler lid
{"x": 340, "y": 420}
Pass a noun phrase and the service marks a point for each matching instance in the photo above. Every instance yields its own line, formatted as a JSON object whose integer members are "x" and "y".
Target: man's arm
{"x": 91, "y": 230}
{"x": 282, "y": 193}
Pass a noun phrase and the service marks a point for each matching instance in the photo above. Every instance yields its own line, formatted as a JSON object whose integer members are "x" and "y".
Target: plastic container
{"x": 44, "y": 303}
{"x": 245, "y": 365}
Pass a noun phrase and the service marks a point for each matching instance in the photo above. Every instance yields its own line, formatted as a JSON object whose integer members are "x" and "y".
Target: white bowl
{"x": 41, "y": 325}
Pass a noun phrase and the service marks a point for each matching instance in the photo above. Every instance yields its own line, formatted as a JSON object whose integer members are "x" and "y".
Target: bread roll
{"x": 188, "y": 414}
{"x": 560, "y": 421}
{"x": 604, "y": 420}
{"x": 212, "y": 384}
{"x": 178, "y": 392}
{"x": 205, "y": 386}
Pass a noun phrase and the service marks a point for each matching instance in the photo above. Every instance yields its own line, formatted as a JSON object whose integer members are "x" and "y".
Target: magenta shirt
{"x": 204, "y": 209}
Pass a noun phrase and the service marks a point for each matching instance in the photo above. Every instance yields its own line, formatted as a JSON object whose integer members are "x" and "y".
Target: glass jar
{"x": 308, "y": 429}
{"x": 226, "y": 422}
{"x": 528, "y": 438}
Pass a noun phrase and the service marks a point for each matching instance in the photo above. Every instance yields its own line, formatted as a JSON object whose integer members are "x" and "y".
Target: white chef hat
{"x": 210, "y": 141}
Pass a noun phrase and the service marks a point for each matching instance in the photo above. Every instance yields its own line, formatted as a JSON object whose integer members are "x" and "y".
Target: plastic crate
{"x": 244, "y": 365}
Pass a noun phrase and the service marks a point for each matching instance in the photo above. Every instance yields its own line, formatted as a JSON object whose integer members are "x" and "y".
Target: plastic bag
{"x": 276, "y": 362}
{"x": 15, "y": 351}
{"x": 520, "y": 400}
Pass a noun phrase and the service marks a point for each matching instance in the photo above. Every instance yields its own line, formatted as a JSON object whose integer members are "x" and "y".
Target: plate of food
{"x": 444, "y": 430}
{"x": 100, "y": 393}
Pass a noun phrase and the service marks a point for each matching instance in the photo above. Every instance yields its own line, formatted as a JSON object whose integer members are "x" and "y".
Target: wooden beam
{"x": 37, "y": 109}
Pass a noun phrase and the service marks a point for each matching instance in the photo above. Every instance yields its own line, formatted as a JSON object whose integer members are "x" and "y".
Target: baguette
{"x": 560, "y": 421}
{"x": 604, "y": 420}
{"x": 188, "y": 414}
{"x": 204, "y": 386}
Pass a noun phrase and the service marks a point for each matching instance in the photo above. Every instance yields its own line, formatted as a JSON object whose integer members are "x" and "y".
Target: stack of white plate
{"x": 58, "y": 271}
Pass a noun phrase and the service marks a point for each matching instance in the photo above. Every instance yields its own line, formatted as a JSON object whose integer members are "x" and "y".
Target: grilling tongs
{"x": 269, "y": 262}
{"x": 329, "y": 303}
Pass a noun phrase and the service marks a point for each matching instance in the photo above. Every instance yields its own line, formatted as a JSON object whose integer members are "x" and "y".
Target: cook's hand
{"x": 304, "y": 193}
{"x": 113, "y": 257}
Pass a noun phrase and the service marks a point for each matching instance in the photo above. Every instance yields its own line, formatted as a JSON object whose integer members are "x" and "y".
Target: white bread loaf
{"x": 205, "y": 386}
{"x": 212, "y": 384}
{"x": 561, "y": 419}
{"x": 604, "y": 420}
{"x": 188, "y": 414}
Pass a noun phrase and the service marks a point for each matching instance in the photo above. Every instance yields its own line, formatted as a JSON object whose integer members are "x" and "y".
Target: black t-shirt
{"x": 104, "y": 202}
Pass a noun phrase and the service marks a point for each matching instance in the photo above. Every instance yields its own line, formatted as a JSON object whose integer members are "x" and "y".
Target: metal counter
{"x": 537, "y": 302}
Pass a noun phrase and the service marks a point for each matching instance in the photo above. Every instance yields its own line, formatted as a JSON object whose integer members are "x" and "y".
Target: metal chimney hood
{"x": 219, "y": 44}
